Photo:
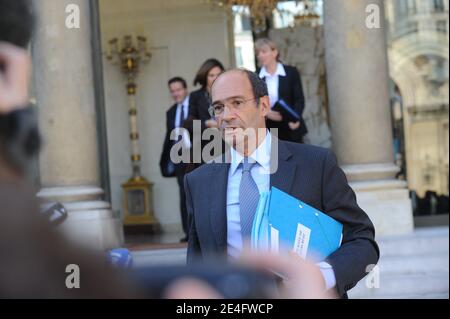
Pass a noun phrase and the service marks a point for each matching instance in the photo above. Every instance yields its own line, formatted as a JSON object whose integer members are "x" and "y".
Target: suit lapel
{"x": 284, "y": 174}
{"x": 173, "y": 114}
{"x": 216, "y": 191}
{"x": 218, "y": 203}
{"x": 282, "y": 87}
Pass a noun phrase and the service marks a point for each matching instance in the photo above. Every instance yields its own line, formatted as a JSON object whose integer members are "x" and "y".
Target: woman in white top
{"x": 285, "y": 92}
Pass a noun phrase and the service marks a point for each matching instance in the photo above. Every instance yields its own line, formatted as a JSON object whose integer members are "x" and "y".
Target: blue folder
{"x": 283, "y": 222}
{"x": 288, "y": 111}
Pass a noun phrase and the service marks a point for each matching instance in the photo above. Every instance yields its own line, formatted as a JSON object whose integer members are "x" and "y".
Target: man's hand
{"x": 294, "y": 125}
{"x": 274, "y": 116}
{"x": 304, "y": 278}
{"x": 14, "y": 75}
{"x": 191, "y": 288}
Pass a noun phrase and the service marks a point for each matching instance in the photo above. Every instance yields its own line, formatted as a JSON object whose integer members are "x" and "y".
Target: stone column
{"x": 357, "y": 79}
{"x": 69, "y": 163}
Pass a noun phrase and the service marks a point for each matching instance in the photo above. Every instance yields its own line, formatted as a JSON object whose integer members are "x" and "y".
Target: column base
{"x": 90, "y": 222}
{"x": 388, "y": 205}
{"x": 93, "y": 229}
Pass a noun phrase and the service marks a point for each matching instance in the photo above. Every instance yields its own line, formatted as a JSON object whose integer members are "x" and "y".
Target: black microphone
{"x": 54, "y": 212}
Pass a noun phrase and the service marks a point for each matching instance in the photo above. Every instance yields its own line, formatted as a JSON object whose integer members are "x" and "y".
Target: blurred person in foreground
{"x": 302, "y": 280}
{"x": 34, "y": 255}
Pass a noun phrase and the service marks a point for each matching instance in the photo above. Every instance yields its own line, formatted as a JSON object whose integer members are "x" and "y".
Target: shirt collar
{"x": 185, "y": 101}
{"x": 261, "y": 155}
{"x": 279, "y": 71}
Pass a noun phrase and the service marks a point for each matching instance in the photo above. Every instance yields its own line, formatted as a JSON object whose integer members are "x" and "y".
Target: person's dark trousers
{"x": 180, "y": 171}
{"x": 296, "y": 136}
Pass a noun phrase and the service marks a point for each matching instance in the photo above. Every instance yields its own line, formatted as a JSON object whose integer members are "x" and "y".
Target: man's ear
{"x": 264, "y": 104}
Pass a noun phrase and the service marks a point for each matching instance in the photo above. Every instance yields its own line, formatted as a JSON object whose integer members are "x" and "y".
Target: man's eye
{"x": 237, "y": 102}
{"x": 218, "y": 108}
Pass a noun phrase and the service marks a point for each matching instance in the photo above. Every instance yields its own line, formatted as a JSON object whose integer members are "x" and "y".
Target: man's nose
{"x": 227, "y": 114}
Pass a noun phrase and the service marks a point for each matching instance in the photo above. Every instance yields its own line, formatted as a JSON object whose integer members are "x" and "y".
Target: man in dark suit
{"x": 175, "y": 118}
{"x": 221, "y": 198}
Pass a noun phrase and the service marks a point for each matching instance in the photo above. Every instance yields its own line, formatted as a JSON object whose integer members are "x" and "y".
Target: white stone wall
{"x": 180, "y": 36}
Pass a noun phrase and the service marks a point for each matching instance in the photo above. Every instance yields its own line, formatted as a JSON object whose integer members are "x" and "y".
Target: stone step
{"x": 421, "y": 241}
{"x": 422, "y": 264}
{"x": 419, "y": 264}
{"x": 403, "y": 285}
{"x": 409, "y": 250}
{"x": 411, "y": 266}
{"x": 425, "y": 296}
{"x": 176, "y": 256}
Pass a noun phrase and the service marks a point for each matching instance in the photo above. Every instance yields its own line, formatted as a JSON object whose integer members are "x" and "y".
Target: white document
{"x": 301, "y": 242}
{"x": 274, "y": 240}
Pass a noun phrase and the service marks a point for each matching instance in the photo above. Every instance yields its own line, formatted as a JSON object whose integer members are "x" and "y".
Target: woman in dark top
{"x": 199, "y": 101}
{"x": 285, "y": 87}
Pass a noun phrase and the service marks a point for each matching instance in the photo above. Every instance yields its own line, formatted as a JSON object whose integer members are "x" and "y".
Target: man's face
{"x": 178, "y": 92}
{"x": 241, "y": 112}
{"x": 15, "y": 65}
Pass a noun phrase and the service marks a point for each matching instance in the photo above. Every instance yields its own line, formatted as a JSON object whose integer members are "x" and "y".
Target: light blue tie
{"x": 248, "y": 198}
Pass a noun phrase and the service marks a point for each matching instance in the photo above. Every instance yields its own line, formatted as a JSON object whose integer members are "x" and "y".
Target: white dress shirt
{"x": 178, "y": 121}
{"x": 261, "y": 174}
{"x": 272, "y": 81}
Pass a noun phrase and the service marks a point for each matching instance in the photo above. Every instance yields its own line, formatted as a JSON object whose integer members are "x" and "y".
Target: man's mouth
{"x": 230, "y": 129}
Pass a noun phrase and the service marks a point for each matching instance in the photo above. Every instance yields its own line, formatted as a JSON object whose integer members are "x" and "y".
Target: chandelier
{"x": 259, "y": 10}
{"x": 308, "y": 17}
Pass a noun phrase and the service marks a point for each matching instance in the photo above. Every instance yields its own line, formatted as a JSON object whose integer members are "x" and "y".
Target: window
{"x": 404, "y": 8}
{"x": 239, "y": 60}
{"x": 438, "y": 6}
{"x": 246, "y": 24}
{"x": 441, "y": 26}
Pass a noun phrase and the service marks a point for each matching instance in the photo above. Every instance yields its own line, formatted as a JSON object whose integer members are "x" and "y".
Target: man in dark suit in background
{"x": 175, "y": 118}
{"x": 221, "y": 198}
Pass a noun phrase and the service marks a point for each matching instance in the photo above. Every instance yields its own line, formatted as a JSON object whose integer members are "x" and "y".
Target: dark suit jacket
{"x": 199, "y": 104}
{"x": 307, "y": 172}
{"x": 291, "y": 91}
{"x": 164, "y": 161}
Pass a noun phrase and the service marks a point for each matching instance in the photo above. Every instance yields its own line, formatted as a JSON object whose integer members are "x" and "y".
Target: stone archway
{"x": 425, "y": 121}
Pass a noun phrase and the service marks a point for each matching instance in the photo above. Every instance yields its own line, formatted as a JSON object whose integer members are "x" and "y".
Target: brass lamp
{"x": 138, "y": 206}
